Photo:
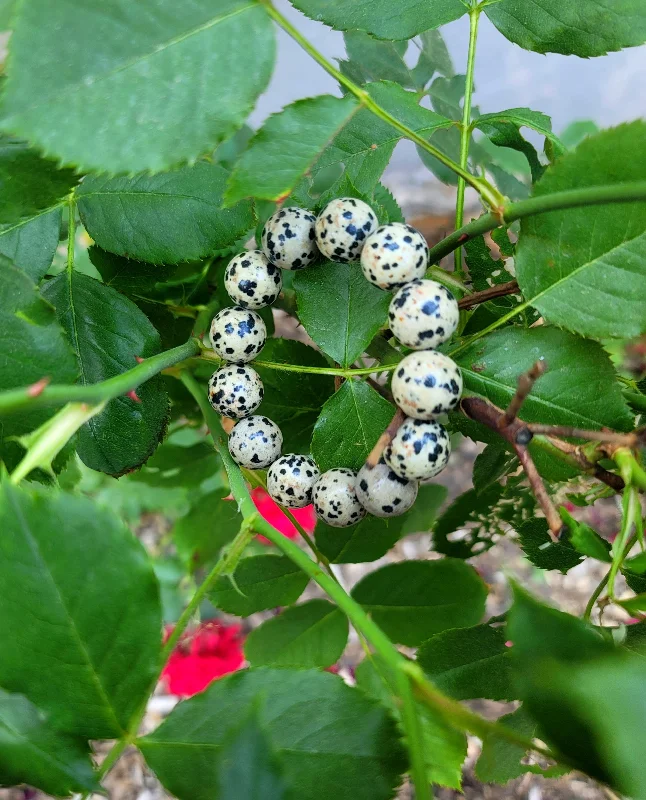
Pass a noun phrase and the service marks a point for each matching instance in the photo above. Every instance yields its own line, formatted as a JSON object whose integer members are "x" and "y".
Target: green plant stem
{"x": 465, "y": 130}
{"x": 449, "y": 278}
{"x": 595, "y": 596}
{"x": 414, "y": 737}
{"x": 453, "y": 711}
{"x": 636, "y": 399}
{"x": 620, "y": 546}
{"x": 489, "y": 193}
{"x": 573, "y": 198}
{"x": 53, "y": 395}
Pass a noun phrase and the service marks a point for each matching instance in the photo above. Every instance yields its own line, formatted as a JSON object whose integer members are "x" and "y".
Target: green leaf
{"x": 385, "y": 205}
{"x": 445, "y": 747}
{"x": 380, "y": 17}
{"x": 339, "y": 309}
{"x": 210, "y": 524}
{"x": 490, "y": 465}
{"x": 127, "y": 276}
{"x": 92, "y": 643}
{"x": 471, "y": 508}
{"x": 33, "y": 752}
{"x": 351, "y": 421}
{"x": 584, "y": 269}
{"x": 286, "y": 147}
{"x": 140, "y": 72}
{"x": 108, "y": 333}
{"x": 33, "y": 347}
{"x": 578, "y": 27}
{"x": 586, "y": 540}
{"x": 123, "y": 215}
{"x": 372, "y": 538}
{"x": 412, "y": 600}
{"x": 378, "y": 60}
{"x": 293, "y": 400}
{"x": 468, "y": 663}
{"x": 172, "y": 465}
{"x": 259, "y": 583}
{"x": 542, "y": 551}
{"x": 580, "y": 387}
{"x": 434, "y": 57}
{"x": 499, "y": 761}
{"x": 248, "y": 766}
{"x": 313, "y": 634}
{"x": 333, "y": 740}
{"x": 484, "y": 270}
{"x": 31, "y": 243}
{"x": 29, "y": 184}
{"x": 577, "y": 131}
{"x": 366, "y": 143}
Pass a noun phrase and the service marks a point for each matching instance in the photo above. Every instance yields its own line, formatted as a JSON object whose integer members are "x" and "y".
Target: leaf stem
{"x": 71, "y": 233}
{"x": 41, "y": 395}
{"x": 414, "y": 736}
{"x": 465, "y": 131}
{"x": 489, "y": 193}
{"x": 630, "y": 508}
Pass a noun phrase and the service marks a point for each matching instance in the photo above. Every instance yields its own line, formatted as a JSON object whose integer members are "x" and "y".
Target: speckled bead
{"x": 394, "y": 255}
{"x": 288, "y": 238}
{"x": 235, "y": 391}
{"x": 423, "y": 314}
{"x": 251, "y": 280}
{"x": 427, "y": 384}
{"x": 237, "y": 334}
{"x": 343, "y": 227}
{"x": 335, "y": 498}
{"x": 383, "y": 493}
{"x": 255, "y": 442}
{"x": 290, "y": 480}
{"x": 419, "y": 450}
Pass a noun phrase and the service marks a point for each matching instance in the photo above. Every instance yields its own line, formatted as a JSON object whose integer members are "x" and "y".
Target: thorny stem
{"x": 488, "y": 193}
{"x": 465, "y": 131}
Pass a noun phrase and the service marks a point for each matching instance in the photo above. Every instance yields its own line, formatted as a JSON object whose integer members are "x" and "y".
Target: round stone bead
{"x": 235, "y": 391}
{"x": 288, "y": 238}
{"x": 343, "y": 227}
{"x": 419, "y": 450}
{"x": 335, "y": 498}
{"x": 423, "y": 314}
{"x": 237, "y": 334}
{"x": 394, "y": 255}
{"x": 255, "y": 442}
{"x": 251, "y": 280}
{"x": 290, "y": 480}
{"x": 427, "y": 384}
{"x": 382, "y": 492}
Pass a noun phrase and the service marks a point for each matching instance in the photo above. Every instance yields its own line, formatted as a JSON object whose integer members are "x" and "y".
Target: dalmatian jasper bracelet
{"x": 423, "y": 314}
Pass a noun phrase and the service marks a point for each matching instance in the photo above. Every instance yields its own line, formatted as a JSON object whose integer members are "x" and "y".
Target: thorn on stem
{"x": 37, "y": 388}
{"x": 133, "y": 396}
{"x": 139, "y": 359}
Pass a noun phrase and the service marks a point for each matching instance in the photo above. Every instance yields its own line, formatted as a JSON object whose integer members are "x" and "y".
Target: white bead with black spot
{"x": 393, "y": 255}
{"x": 426, "y": 384}
{"x": 255, "y": 442}
{"x": 419, "y": 450}
{"x": 288, "y": 238}
{"x": 342, "y": 228}
{"x": 335, "y": 498}
{"x": 251, "y": 280}
{"x": 382, "y": 492}
{"x": 237, "y": 334}
{"x": 235, "y": 391}
{"x": 290, "y": 480}
{"x": 423, "y": 315}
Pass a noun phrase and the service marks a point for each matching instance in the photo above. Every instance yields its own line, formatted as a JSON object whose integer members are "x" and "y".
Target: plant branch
{"x": 489, "y": 193}
{"x": 465, "y": 130}
{"x": 502, "y": 289}
{"x": 525, "y": 385}
{"x": 44, "y": 395}
{"x": 629, "y": 440}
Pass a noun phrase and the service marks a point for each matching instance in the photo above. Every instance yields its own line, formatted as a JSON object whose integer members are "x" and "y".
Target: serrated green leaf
{"x": 172, "y": 465}
{"x": 313, "y": 634}
{"x": 29, "y": 184}
{"x": 139, "y": 278}
{"x": 380, "y": 18}
{"x": 584, "y": 269}
{"x": 445, "y": 747}
{"x": 260, "y": 582}
{"x": 31, "y": 243}
{"x": 366, "y": 143}
{"x": 33, "y": 752}
{"x": 293, "y": 400}
{"x": 412, "y": 600}
{"x": 579, "y": 388}
{"x": 499, "y": 761}
{"x": 248, "y": 768}
{"x": 469, "y": 507}
{"x": 339, "y": 309}
{"x": 434, "y": 57}
{"x": 535, "y": 542}
{"x": 468, "y": 663}
{"x": 372, "y": 538}
{"x": 33, "y": 347}
{"x": 350, "y": 423}
{"x": 385, "y": 205}
{"x": 140, "y": 72}
{"x": 586, "y": 540}
{"x": 123, "y": 215}
{"x": 577, "y": 27}
{"x": 210, "y": 524}
{"x": 92, "y": 645}
{"x": 108, "y": 332}
{"x": 490, "y": 466}
{"x": 378, "y": 60}
{"x": 577, "y": 131}
{"x": 348, "y": 749}
{"x": 286, "y": 146}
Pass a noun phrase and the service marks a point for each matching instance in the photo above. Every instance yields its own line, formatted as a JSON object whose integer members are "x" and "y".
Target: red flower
{"x": 274, "y": 516}
{"x": 210, "y": 651}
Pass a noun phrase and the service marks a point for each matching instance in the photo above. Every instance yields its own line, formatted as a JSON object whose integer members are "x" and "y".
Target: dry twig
{"x": 385, "y": 439}
{"x": 502, "y": 289}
